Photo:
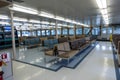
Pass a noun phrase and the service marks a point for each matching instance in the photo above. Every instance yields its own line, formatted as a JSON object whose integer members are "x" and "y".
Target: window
{"x": 78, "y": 31}
{"x": 43, "y": 32}
{"x": 71, "y": 31}
{"x": 95, "y": 31}
{"x": 47, "y": 32}
{"x": 64, "y": 31}
{"x": 39, "y": 33}
{"x": 104, "y": 31}
{"x": 59, "y": 31}
{"x": 18, "y": 32}
{"x": 26, "y": 33}
{"x": 53, "y": 32}
{"x": 86, "y": 30}
{"x": 110, "y": 30}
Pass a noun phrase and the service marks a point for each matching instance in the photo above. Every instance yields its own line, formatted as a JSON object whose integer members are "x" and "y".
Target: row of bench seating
{"x": 116, "y": 45}
{"x": 51, "y": 42}
{"x": 68, "y": 50}
{"x": 32, "y": 42}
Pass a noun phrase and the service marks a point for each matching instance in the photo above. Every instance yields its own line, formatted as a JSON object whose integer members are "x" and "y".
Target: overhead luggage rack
{"x": 4, "y": 3}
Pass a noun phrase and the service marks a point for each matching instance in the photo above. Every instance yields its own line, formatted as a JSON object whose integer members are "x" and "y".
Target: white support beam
{"x": 13, "y": 35}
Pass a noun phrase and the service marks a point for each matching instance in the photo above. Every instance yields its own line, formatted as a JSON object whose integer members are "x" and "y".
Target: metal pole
{"x": 56, "y": 28}
{"x": 75, "y": 31}
{"x": 13, "y": 35}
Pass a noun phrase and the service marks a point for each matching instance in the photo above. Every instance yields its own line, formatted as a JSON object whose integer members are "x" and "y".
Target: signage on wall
{"x": 5, "y": 56}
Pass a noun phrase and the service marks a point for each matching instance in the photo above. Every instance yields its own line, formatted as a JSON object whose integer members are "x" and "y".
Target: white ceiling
{"x": 80, "y": 10}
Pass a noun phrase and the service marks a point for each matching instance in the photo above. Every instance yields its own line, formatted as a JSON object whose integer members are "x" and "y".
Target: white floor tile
{"x": 98, "y": 65}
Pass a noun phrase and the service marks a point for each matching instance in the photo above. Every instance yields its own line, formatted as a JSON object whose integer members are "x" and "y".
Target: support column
{"x": 68, "y": 33}
{"x": 36, "y": 33}
{"x": 41, "y": 32}
{"x": 21, "y": 38}
{"x": 91, "y": 26}
{"x": 21, "y": 33}
{"x": 100, "y": 30}
{"x": 75, "y": 31}
{"x": 13, "y": 35}
{"x": 50, "y": 33}
{"x": 82, "y": 30}
{"x": 112, "y": 29}
{"x": 61, "y": 31}
{"x": 45, "y": 32}
{"x": 56, "y": 28}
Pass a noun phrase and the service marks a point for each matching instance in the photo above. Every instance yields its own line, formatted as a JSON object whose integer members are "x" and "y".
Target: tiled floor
{"x": 35, "y": 56}
{"x": 98, "y": 65}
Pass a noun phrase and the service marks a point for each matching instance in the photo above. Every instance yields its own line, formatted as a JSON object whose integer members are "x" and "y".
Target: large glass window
{"x": 64, "y": 31}
{"x": 39, "y": 33}
{"x": 59, "y": 31}
{"x": 53, "y": 32}
{"x": 109, "y": 30}
{"x": 25, "y": 33}
{"x": 33, "y": 33}
{"x": 47, "y": 32}
{"x": 71, "y": 31}
{"x": 18, "y": 32}
{"x": 116, "y": 30}
{"x": 104, "y": 30}
{"x": 43, "y": 32}
{"x": 78, "y": 31}
{"x": 95, "y": 31}
{"x": 86, "y": 30}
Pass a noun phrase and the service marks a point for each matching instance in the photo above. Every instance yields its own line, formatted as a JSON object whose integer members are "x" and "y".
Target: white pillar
{"x": 75, "y": 31}
{"x": 56, "y": 29}
{"x": 13, "y": 35}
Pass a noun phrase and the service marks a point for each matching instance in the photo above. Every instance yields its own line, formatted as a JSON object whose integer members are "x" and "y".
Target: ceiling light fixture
{"x": 34, "y": 21}
{"x": 60, "y": 18}
{"x": 20, "y": 19}
{"x": 41, "y": 13}
{"x": 24, "y": 9}
{"x": 102, "y": 4}
{"x": 4, "y": 17}
{"x": 45, "y": 14}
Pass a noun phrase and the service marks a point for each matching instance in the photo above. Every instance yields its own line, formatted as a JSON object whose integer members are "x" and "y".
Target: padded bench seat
{"x": 68, "y": 54}
{"x": 49, "y": 53}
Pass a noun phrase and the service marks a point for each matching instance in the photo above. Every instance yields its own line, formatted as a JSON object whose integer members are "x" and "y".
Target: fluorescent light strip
{"x": 60, "y": 18}
{"x": 102, "y": 4}
{"x": 34, "y": 21}
{"x": 44, "y": 22}
{"x": 24, "y": 9}
{"x": 20, "y": 19}
{"x": 4, "y": 23}
{"x": 45, "y": 14}
{"x": 17, "y": 24}
{"x": 42, "y": 13}
{"x": 4, "y": 17}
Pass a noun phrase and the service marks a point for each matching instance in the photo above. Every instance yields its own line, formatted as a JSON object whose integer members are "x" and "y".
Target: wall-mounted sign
{"x": 5, "y": 56}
